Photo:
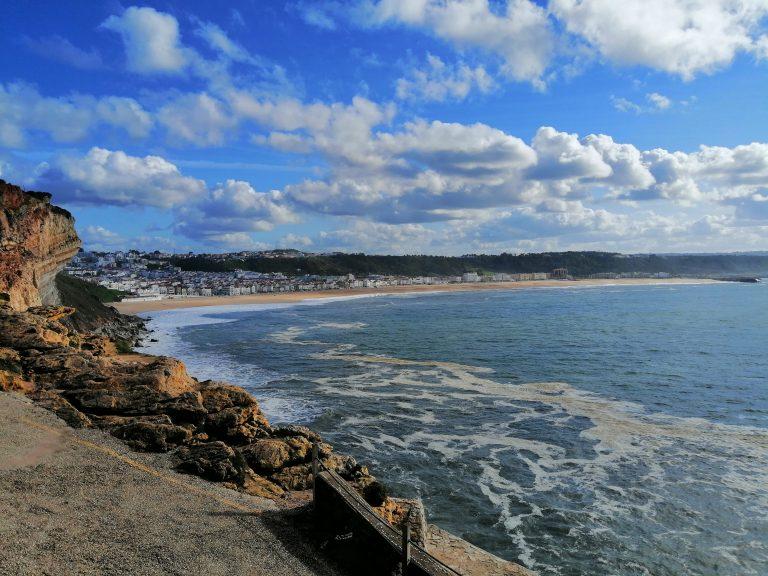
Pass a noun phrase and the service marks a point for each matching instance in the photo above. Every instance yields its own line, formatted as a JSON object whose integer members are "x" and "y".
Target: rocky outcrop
{"x": 36, "y": 241}
{"x": 213, "y": 429}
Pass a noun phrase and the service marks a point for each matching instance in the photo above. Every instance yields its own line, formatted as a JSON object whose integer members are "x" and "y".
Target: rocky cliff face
{"x": 36, "y": 241}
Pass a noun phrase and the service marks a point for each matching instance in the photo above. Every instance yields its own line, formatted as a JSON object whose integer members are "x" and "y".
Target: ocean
{"x": 608, "y": 430}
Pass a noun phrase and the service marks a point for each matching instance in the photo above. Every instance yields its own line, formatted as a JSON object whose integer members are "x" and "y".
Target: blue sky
{"x": 393, "y": 126}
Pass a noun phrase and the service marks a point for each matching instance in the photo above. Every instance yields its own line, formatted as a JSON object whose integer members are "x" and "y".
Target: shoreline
{"x": 294, "y": 297}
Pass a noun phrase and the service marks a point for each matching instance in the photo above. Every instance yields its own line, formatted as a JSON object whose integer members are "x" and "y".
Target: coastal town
{"x": 153, "y": 276}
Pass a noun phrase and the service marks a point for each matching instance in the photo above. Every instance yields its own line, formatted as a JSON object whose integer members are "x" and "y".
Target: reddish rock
{"x": 36, "y": 241}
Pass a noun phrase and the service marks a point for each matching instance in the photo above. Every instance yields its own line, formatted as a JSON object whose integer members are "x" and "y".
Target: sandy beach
{"x": 289, "y": 297}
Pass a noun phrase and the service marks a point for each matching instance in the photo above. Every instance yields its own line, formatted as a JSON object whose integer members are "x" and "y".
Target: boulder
{"x": 12, "y": 382}
{"x": 10, "y": 360}
{"x": 63, "y": 409}
{"x": 212, "y": 460}
{"x": 23, "y": 331}
{"x": 294, "y": 477}
{"x": 219, "y": 396}
{"x": 11, "y": 377}
{"x": 256, "y": 485}
{"x": 267, "y": 456}
{"x": 185, "y": 408}
{"x": 111, "y": 421}
{"x": 152, "y": 437}
{"x": 238, "y": 425}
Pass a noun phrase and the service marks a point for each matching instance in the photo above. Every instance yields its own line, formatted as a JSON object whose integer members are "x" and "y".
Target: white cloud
{"x": 682, "y": 37}
{"x": 521, "y": 36}
{"x": 231, "y": 212}
{"x": 315, "y": 14}
{"x": 375, "y": 237}
{"x": 218, "y": 40}
{"x": 151, "y": 40}
{"x": 62, "y": 50}
{"x": 433, "y": 171}
{"x": 440, "y": 81}
{"x": 659, "y": 101}
{"x": 294, "y": 240}
{"x": 625, "y": 105}
{"x": 113, "y": 177}
{"x": 656, "y": 103}
{"x": 24, "y": 111}
{"x": 199, "y": 119}
{"x": 99, "y": 238}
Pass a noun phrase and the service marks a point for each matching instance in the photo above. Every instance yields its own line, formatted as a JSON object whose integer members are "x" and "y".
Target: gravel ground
{"x": 79, "y": 502}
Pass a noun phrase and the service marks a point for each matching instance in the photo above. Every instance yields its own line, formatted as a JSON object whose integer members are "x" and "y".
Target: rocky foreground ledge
{"x": 213, "y": 429}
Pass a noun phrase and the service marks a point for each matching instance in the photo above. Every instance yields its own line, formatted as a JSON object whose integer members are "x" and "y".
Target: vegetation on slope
{"x": 578, "y": 264}
{"x": 89, "y": 300}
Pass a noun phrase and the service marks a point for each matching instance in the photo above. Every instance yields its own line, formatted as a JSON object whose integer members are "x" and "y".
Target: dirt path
{"x": 79, "y": 502}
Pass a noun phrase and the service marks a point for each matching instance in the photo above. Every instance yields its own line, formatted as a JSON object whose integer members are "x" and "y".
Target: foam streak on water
{"x": 614, "y": 431}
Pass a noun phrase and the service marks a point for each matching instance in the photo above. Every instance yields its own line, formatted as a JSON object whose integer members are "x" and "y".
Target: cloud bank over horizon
{"x": 215, "y": 145}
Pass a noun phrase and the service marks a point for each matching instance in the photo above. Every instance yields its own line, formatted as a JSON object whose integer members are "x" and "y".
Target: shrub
{"x": 375, "y": 493}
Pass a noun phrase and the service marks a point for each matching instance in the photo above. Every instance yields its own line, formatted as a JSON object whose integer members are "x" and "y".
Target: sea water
{"x": 611, "y": 430}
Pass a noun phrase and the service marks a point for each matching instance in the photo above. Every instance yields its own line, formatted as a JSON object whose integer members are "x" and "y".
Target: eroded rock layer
{"x": 36, "y": 241}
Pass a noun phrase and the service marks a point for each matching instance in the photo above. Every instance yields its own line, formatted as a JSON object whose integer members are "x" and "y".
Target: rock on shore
{"x": 214, "y": 429}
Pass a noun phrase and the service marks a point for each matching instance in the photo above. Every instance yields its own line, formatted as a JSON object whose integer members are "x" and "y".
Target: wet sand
{"x": 290, "y": 297}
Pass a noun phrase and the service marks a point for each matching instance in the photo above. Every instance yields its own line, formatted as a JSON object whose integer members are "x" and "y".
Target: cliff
{"x": 36, "y": 241}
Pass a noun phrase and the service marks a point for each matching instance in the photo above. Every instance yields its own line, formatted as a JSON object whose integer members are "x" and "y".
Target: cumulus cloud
{"x": 198, "y": 119}
{"x": 682, "y": 37}
{"x": 435, "y": 171}
{"x": 24, "y": 111}
{"x": 151, "y": 40}
{"x": 231, "y": 212}
{"x": 440, "y": 81}
{"x": 115, "y": 178}
{"x": 521, "y": 35}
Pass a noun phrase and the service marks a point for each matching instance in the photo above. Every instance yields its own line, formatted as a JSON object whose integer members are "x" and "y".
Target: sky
{"x": 393, "y": 126}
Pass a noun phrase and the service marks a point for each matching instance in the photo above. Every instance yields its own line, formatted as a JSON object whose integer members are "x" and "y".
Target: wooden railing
{"x": 361, "y": 537}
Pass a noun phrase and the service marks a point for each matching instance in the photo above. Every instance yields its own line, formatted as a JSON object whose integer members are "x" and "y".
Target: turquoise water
{"x": 612, "y": 430}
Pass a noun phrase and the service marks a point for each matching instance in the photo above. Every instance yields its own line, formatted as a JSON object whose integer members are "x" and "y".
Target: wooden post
{"x": 406, "y": 561}
{"x": 315, "y": 469}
